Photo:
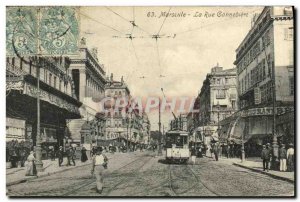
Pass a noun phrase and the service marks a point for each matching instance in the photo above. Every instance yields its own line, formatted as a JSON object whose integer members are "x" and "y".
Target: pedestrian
{"x": 290, "y": 158}
{"x": 269, "y": 147}
{"x": 193, "y": 155}
{"x": 23, "y": 155}
{"x": 265, "y": 156}
{"x": 211, "y": 150}
{"x": 200, "y": 151}
{"x": 31, "y": 168}
{"x": 60, "y": 154}
{"x": 282, "y": 158}
{"x": 216, "y": 151}
{"x": 84, "y": 157}
{"x": 71, "y": 156}
{"x": 52, "y": 153}
{"x": 98, "y": 166}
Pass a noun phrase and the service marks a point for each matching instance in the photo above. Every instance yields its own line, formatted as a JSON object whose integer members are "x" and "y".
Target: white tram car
{"x": 177, "y": 149}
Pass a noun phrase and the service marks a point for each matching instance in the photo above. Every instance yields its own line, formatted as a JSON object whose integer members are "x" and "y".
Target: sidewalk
{"x": 17, "y": 175}
{"x": 255, "y": 164}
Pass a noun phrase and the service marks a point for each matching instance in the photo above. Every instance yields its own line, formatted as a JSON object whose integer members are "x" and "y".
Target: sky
{"x": 189, "y": 47}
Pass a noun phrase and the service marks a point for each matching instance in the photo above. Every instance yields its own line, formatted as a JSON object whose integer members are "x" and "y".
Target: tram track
{"x": 122, "y": 181}
{"x": 200, "y": 181}
{"x": 83, "y": 184}
{"x": 89, "y": 182}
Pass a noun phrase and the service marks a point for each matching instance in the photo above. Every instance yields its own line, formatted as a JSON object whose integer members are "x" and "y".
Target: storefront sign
{"x": 265, "y": 111}
{"x": 17, "y": 123}
{"x": 48, "y": 97}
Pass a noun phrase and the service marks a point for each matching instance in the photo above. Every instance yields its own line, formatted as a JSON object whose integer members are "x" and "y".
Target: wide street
{"x": 143, "y": 174}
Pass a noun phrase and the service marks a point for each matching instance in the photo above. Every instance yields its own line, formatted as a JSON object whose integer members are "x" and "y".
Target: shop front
{"x": 21, "y": 112}
{"x": 254, "y": 127}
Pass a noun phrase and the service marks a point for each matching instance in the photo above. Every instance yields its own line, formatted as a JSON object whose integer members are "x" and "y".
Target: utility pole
{"x": 163, "y": 133}
{"x": 159, "y": 128}
{"x": 130, "y": 126}
{"x": 274, "y": 143}
{"x": 127, "y": 146}
{"x": 38, "y": 147}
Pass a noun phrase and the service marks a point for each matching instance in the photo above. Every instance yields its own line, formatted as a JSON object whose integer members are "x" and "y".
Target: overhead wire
{"x": 163, "y": 22}
{"x": 131, "y": 22}
{"x": 105, "y": 25}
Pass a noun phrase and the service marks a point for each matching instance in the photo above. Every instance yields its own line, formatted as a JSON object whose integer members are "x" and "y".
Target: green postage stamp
{"x": 21, "y": 31}
{"x": 52, "y": 31}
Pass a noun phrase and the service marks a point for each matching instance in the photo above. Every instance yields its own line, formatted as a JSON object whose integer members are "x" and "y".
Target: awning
{"x": 250, "y": 128}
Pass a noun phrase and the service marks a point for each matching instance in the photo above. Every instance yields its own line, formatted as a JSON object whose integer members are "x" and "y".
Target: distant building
{"x": 124, "y": 124}
{"x": 217, "y": 100}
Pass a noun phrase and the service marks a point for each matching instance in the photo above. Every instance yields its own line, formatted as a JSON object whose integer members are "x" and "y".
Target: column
{"x": 82, "y": 84}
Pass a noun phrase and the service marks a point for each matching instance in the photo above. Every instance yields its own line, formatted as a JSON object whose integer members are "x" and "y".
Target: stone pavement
{"x": 17, "y": 175}
{"x": 255, "y": 164}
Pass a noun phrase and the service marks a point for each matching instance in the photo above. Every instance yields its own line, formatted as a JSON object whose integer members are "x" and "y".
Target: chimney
{"x": 111, "y": 77}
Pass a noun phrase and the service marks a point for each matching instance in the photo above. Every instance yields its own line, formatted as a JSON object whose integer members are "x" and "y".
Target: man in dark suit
{"x": 71, "y": 156}
{"x": 265, "y": 156}
{"x": 60, "y": 154}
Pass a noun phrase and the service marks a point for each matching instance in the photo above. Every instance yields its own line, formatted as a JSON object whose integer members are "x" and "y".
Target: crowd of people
{"x": 17, "y": 153}
{"x": 285, "y": 157}
{"x": 232, "y": 150}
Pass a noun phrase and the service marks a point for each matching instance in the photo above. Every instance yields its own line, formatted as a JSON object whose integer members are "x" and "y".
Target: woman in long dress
{"x": 84, "y": 157}
{"x": 31, "y": 168}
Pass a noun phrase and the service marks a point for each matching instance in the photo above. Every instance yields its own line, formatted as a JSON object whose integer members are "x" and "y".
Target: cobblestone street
{"x": 144, "y": 174}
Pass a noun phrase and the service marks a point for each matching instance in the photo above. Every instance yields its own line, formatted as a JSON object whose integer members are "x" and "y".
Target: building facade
{"x": 217, "y": 100}
{"x": 265, "y": 79}
{"x": 89, "y": 86}
{"x": 58, "y": 101}
{"x": 124, "y": 125}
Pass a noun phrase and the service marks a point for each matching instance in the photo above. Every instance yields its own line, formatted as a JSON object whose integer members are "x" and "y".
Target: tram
{"x": 177, "y": 146}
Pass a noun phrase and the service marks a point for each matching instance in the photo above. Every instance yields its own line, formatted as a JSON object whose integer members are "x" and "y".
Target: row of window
{"x": 45, "y": 75}
{"x": 91, "y": 83}
{"x": 266, "y": 92}
{"x": 220, "y": 81}
{"x": 221, "y": 94}
{"x": 257, "y": 48}
{"x": 257, "y": 74}
{"x": 55, "y": 81}
{"x": 254, "y": 33}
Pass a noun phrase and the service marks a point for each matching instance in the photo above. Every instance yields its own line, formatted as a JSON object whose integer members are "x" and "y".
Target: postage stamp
{"x": 21, "y": 31}
{"x": 58, "y": 31}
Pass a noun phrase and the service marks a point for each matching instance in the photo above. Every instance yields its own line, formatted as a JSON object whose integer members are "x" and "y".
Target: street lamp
{"x": 38, "y": 148}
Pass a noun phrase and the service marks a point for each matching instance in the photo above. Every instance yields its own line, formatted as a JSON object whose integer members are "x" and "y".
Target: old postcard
{"x": 150, "y": 101}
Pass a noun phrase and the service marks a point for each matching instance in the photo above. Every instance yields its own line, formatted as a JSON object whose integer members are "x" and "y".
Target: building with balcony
{"x": 58, "y": 101}
{"x": 265, "y": 79}
{"x": 217, "y": 100}
{"x": 124, "y": 124}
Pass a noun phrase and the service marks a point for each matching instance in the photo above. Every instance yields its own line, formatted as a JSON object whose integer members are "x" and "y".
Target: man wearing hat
{"x": 265, "y": 156}
{"x": 98, "y": 166}
{"x": 193, "y": 155}
{"x": 282, "y": 157}
{"x": 290, "y": 158}
{"x": 60, "y": 154}
{"x": 269, "y": 147}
